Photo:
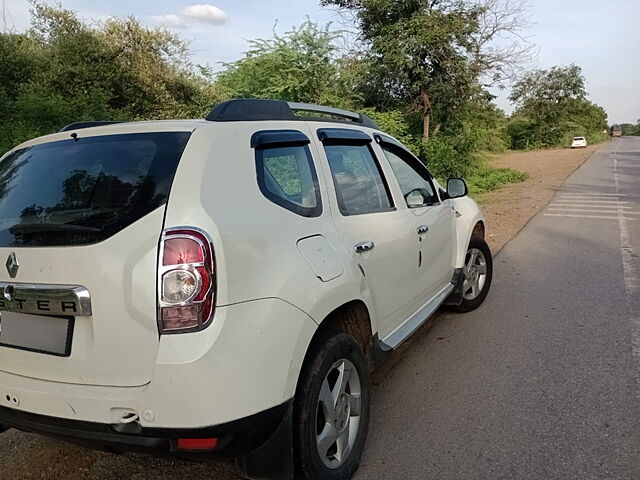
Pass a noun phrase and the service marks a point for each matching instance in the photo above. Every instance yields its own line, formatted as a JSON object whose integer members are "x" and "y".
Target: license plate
{"x": 36, "y": 333}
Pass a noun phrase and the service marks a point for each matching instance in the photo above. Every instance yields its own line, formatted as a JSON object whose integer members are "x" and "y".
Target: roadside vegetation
{"x": 631, "y": 129}
{"x": 552, "y": 108}
{"x": 422, "y": 72}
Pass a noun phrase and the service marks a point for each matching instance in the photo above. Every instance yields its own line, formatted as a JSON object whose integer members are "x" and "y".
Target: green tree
{"x": 64, "y": 70}
{"x": 433, "y": 54}
{"x": 301, "y": 65}
{"x": 543, "y": 94}
{"x": 631, "y": 129}
{"x": 421, "y": 48}
{"x": 552, "y": 106}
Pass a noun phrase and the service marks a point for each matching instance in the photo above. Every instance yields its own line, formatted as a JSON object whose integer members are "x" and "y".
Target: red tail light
{"x": 197, "y": 444}
{"x": 186, "y": 281}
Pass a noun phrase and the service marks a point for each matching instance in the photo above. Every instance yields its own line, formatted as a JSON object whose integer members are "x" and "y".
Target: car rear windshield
{"x": 82, "y": 191}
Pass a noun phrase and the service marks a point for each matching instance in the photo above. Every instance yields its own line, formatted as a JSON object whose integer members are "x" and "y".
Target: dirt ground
{"x": 509, "y": 209}
{"x": 26, "y": 456}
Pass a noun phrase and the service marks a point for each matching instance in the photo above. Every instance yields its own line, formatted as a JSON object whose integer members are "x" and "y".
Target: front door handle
{"x": 364, "y": 246}
{"x": 422, "y": 229}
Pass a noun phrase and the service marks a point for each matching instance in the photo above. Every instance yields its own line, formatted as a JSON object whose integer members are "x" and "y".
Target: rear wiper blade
{"x": 27, "y": 228}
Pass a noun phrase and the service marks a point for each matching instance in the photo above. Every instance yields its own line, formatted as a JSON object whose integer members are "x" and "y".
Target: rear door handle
{"x": 364, "y": 246}
{"x": 422, "y": 229}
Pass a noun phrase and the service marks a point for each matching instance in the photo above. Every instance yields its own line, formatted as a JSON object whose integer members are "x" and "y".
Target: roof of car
{"x": 87, "y": 129}
{"x": 250, "y": 109}
{"x": 237, "y": 110}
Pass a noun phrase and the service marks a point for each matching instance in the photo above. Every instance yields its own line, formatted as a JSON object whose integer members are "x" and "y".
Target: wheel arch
{"x": 469, "y": 221}
{"x": 353, "y": 318}
{"x": 478, "y": 229}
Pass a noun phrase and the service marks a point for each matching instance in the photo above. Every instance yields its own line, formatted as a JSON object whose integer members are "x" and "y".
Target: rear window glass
{"x": 81, "y": 192}
{"x": 287, "y": 177}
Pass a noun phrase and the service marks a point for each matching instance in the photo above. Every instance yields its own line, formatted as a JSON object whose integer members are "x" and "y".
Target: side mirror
{"x": 415, "y": 198}
{"x": 456, "y": 188}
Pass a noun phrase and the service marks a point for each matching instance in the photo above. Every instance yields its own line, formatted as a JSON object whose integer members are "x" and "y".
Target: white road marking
{"x": 630, "y": 275}
{"x": 585, "y": 205}
{"x": 631, "y": 283}
{"x": 571, "y": 215}
{"x": 601, "y": 202}
{"x": 592, "y": 194}
{"x": 584, "y": 210}
{"x": 589, "y": 199}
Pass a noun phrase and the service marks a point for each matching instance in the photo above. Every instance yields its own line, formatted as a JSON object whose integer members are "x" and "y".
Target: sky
{"x": 600, "y": 36}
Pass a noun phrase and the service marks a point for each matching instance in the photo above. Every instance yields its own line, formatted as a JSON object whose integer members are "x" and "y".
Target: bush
{"x": 443, "y": 160}
{"x": 484, "y": 178}
{"x": 528, "y": 135}
{"x": 125, "y": 71}
{"x": 447, "y": 156}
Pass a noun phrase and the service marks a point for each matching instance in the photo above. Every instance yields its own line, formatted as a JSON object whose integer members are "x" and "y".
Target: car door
{"x": 378, "y": 235}
{"x": 431, "y": 221}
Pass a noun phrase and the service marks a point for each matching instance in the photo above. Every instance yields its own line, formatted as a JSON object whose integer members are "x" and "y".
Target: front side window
{"x": 287, "y": 177}
{"x": 78, "y": 192}
{"x": 416, "y": 186}
{"x": 360, "y": 186}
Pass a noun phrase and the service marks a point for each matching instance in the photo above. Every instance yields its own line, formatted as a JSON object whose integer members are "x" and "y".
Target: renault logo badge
{"x": 12, "y": 265}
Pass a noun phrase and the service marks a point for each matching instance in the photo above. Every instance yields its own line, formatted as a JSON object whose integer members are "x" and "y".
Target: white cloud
{"x": 206, "y": 14}
{"x": 170, "y": 20}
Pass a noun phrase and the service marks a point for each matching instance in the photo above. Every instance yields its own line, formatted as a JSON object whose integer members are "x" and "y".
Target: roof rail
{"x": 247, "y": 109}
{"x": 81, "y": 125}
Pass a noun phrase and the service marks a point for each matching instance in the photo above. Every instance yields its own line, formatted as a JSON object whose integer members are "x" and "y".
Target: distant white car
{"x": 579, "y": 142}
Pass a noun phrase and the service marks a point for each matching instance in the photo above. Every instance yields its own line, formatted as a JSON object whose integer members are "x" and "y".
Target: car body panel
{"x": 467, "y": 216}
{"x": 323, "y": 258}
{"x": 200, "y": 379}
{"x": 118, "y": 344}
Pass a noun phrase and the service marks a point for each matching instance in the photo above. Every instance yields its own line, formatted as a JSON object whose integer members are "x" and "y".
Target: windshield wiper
{"x": 28, "y": 228}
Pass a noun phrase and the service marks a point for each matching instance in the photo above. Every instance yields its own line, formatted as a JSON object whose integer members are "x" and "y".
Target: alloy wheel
{"x": 475, "y": 274}
{"x": 338, "y": 413}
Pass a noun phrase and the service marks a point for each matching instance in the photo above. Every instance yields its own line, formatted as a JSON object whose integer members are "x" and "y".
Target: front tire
{"x": 478, "y": 273}
{"x": 331, "y": 408}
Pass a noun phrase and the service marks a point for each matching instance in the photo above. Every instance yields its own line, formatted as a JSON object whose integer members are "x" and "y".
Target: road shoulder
{"x": 508, "y": 209}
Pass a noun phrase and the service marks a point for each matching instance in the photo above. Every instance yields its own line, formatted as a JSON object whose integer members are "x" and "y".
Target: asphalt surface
{"x": 541, "y": 382}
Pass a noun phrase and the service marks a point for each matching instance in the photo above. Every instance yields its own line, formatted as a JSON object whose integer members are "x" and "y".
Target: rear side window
{"x": 359, "y": 184}
{"x": 287, "y": 177}
{"x": 80, "y": 192}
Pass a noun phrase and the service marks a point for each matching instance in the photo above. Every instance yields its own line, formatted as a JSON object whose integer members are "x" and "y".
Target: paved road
{"x": 542, "y": 382}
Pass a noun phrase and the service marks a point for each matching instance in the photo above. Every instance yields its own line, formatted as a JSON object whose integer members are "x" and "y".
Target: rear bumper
{"x": 247, "y": 361}
{"x": 234, "y": 438}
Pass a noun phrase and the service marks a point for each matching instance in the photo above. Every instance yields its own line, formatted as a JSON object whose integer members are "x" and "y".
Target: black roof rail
{"x": 81, "y": 125}
{"x": 248, "y": 109}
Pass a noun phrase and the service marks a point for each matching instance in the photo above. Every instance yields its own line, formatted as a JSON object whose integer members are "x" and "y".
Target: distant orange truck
{"x": 616, "y": 131}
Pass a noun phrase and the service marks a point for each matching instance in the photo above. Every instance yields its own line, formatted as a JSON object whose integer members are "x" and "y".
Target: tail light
{"x": 196, "y": 444}
{"x": 186, "y": 281}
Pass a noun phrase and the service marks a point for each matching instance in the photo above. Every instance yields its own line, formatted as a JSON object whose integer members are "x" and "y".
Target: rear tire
{"x": 478, "y": 273}
{"x": 331, "y": 408}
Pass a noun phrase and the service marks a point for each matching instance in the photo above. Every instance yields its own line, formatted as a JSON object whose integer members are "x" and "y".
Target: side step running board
{"x": 413, "y": 323}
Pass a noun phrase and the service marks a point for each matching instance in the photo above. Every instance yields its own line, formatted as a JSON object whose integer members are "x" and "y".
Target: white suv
{"x": 579, "y": 142}
{"x": 222, "y": 286}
